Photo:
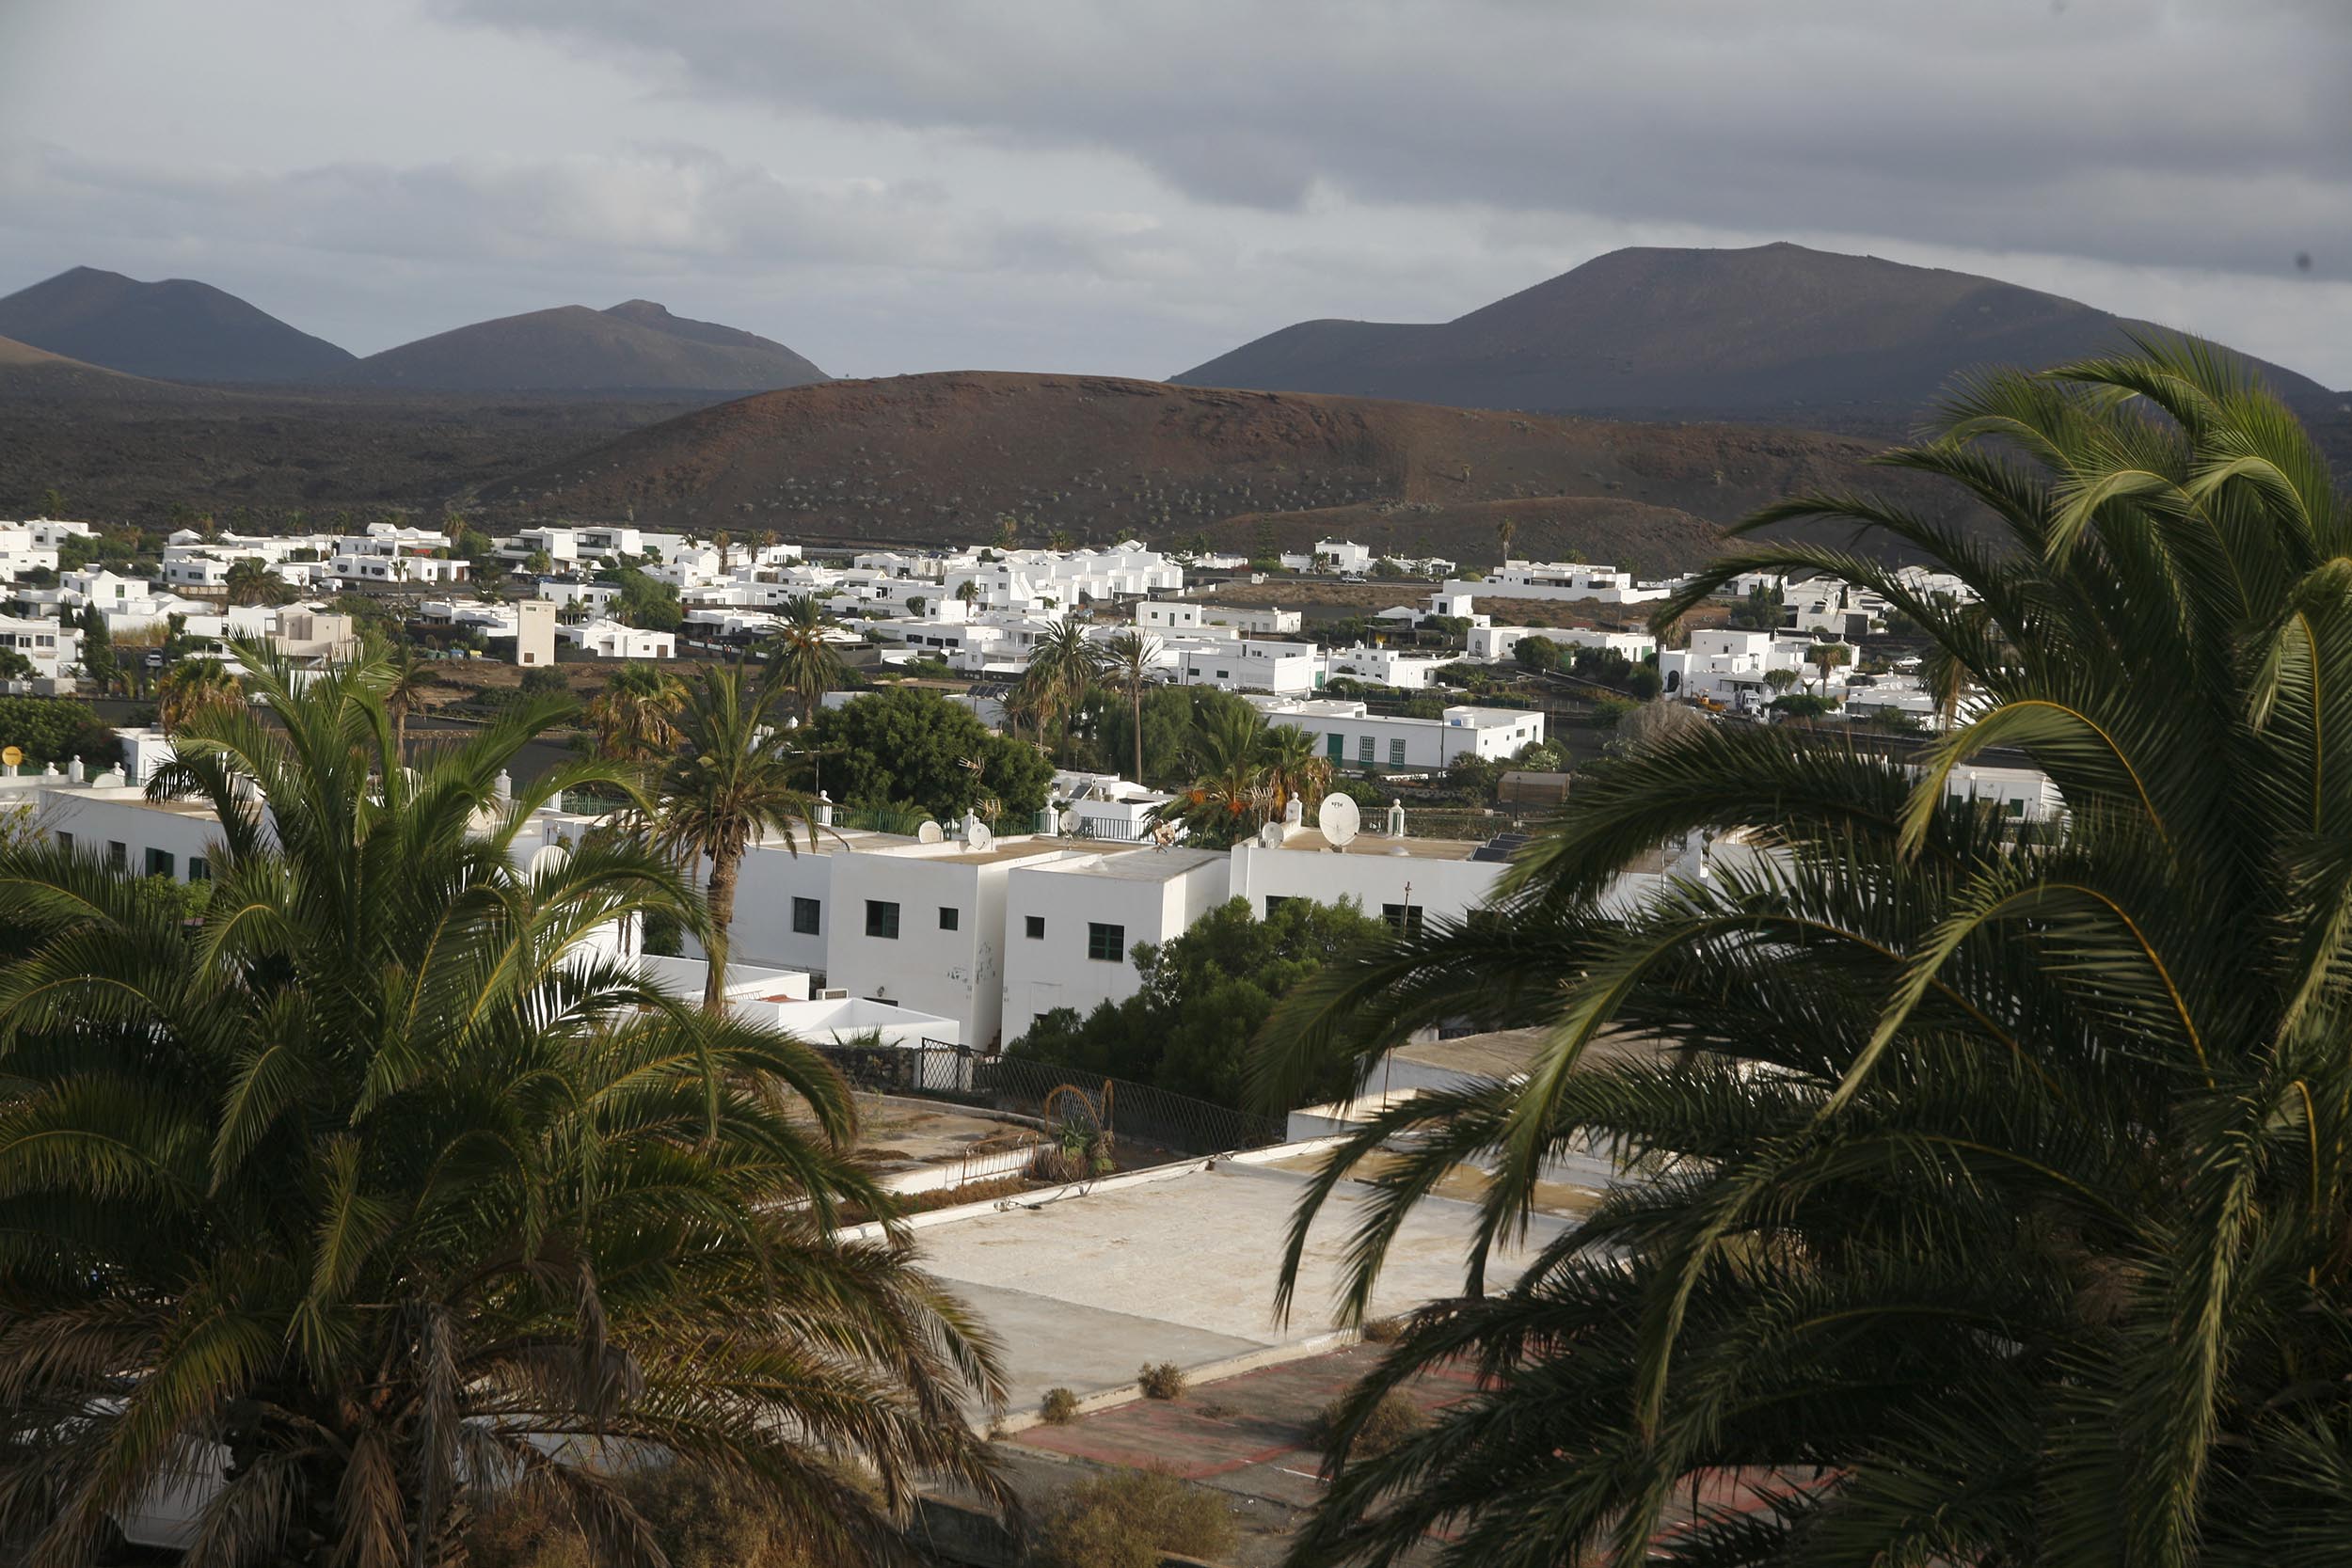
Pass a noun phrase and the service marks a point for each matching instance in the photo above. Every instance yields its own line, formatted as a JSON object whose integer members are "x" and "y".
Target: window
{"x": 1033, "y": 926}
{"x": 65, "y": 842}
{"x": 1106, "y": 943}
{"x": 1274, "y": 901}
{"x": 1363, "y": 749}
{"x": 118, "y": 855}
{"x": 1397, "y": 753}
{"x": 882, "y": 920}
{"x": 199, "y": 869}
{"x": 804, "y": 916}
{"x": 947, "y": 918}
{"x": 2017, "y": 808}
{"x": 1404, "y": 919}
{"x": 161, "y": 862}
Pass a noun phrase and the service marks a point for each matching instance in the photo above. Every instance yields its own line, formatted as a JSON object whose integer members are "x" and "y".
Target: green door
{"x": 1335, "y": 746}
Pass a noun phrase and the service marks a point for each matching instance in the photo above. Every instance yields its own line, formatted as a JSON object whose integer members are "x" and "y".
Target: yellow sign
{"x": 13, "y": 756}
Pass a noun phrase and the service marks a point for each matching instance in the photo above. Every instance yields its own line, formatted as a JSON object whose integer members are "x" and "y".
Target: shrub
{"x": 1131, "y": 1519}
{"x": 1165, "y": 1381}
{"x": 1389, "y": 1424}
{"x": 546, "y": 681}
{"x": 1060, "y": 1407}
{"x": 697, "y": 1521}
{"x": 1384, "y": 1331}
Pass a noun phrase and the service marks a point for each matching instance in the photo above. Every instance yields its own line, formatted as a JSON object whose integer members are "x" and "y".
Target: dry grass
{"x": 1131, "y": 1519}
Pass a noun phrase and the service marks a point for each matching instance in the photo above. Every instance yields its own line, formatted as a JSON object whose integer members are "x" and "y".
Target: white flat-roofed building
{"x": 1248, "y": 664}
{"x": 1499, "y": 644}
{"x": 1402, "y": 880}
{"x": 1561, "y": 579}
{"x": 1167, "y": 615}
{"x": 129, "y": 832}
{"x": 923, "y": 924}
{"x": 1733, "y": 667}
{"x": 1254, "y": 620}
{"x": 1072, "y": 924}
{"x": 612, "y": 640}
{"x": 53, "y": 648}
{"x": 1401, "y": 668}
{"x": 1350, "y": 734}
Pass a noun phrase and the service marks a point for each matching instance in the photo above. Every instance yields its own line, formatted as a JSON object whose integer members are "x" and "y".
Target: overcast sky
{"x": 1112, "y": 187}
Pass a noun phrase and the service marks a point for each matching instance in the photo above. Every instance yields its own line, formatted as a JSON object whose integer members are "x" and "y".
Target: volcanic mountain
{"x": 931, "y": 458}
{"x": 637, "y": 346}
{"x": 175, "y": 331}
{"x": 1776, "y": 332}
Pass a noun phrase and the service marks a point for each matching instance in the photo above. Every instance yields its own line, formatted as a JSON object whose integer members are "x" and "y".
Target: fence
{"x": 1134, "y": 1112}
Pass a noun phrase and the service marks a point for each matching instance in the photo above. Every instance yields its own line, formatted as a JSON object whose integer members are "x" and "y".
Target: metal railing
{"x": 1131, "y": 1113}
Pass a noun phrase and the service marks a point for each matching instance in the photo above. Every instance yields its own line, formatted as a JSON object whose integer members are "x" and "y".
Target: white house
{"x": 612, "y": 640}
{"x": 1398, "y": 666}
{"x": 1247, "y": 664}
{"x": 1561, "y": 579}
{"x": 1402, "y": 880}
{"x": 1733, "y": 667}
{"x": 1499, "y": 644}
{"x": 51, "y": 647}
{"x": 1072, "y": 924}
{"x": 1351, "y": 736}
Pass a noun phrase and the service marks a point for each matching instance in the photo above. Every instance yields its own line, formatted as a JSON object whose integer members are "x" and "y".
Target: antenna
{"x": 1337, "y": 819}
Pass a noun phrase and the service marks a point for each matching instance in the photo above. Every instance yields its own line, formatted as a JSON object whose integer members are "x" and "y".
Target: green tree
{"x": 1205, "y": 996}
{"x": 1990, "y": 1182}
{"x": 193, "y": 688}
{"x": 1128, "y": 662}
{"x": 51, "y": 729}
{"x": 729, "y": 781}
{"x": 635, "y": 716}
{"x": 1164, "y": 724}
{"x": 98, "y": 650}
{"x": 644, "y": 601}
{"x": 1063, "y": 667}
{"x": 1229, "y": 796}
{"x": 14, "y": 666}
{"x": 910, "y": 747}
{"x": 1537, "y": 652}
{"x": 251, "y": 581}
{"x": 383, "y": 1188}
{"x": 1294, "y": 766}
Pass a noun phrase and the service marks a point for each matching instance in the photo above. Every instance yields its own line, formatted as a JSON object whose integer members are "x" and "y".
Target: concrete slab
{"x": 1181, "y": 1270}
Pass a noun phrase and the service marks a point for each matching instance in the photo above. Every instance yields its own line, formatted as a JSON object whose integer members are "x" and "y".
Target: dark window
{"x": 1106, "y": 942}
{"x": 804, "y": 916}
{"x": 1274, "y": 901}
{"x": 199, "y": 869}
{"x": 1403, "y": 918}
{"x": 947, "y": 918}
{"x": 1033, "y": 928}
{"x": 160, "y": 862}
{"x": 65, "y": 842}
{"x": 882, "y": 920}
{"x": 118, "y": 855}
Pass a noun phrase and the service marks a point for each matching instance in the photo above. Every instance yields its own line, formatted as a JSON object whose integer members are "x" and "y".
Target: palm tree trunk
{"x": 719, "y": 896}
{"x": 1136, "y": 696}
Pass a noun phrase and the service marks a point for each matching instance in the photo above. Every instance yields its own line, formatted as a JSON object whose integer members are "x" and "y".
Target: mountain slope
{"x": 175, "y": 331}
{"x": 1773, "y": 331}
{"x": 932, "y": 458}
{"x": 637, "y": 346}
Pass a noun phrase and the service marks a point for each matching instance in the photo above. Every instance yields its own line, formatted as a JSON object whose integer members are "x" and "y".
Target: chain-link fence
{"x": 1131, "y": 1113}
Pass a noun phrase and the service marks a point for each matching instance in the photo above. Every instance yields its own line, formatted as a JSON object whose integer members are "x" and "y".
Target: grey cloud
{"x": 2206, "y": 135}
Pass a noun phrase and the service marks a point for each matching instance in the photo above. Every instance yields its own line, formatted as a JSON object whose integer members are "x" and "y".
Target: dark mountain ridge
{"x": 637, "y": 346}
{"x": 174, "y": 330}
{"x": 1776, "y": 331}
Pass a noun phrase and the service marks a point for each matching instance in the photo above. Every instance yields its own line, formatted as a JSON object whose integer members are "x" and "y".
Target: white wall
{"x": 1366, "y": 873}
{"x": 1151, "y": 896}
{"x": 957, "y": 973}
{"x": 98, "y": 820}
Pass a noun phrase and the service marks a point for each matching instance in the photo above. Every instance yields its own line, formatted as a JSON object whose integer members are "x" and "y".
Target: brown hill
{"x": 175, "y": 331}
{"x": 636, "y": 346}
{"x": 932, "y": 458}
{"x": 1777, "y": 331}
{"x": 35, "y": 373}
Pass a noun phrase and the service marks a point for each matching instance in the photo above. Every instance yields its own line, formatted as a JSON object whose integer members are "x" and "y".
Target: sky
{"x": 903, "y": 186}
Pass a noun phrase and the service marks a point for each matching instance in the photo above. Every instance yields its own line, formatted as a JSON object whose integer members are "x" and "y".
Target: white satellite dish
{"x": 979, "y": 840}
{"x": 1338, "y": 820}
{"x": 1270, "y": 836}
{"x": 929, "y": 833}
{"x": 1069, "y": 821}
{"x": 549, "y": 861}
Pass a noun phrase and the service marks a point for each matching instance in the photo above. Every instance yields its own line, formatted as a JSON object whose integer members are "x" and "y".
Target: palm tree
{"x": 250, "y": 581}
{"x": 384, "y": 1187}
{"x": 1985, "y": 1196}
{"x": 729, "y": 782}
{"x": 405, "y": 681}
{"x": 1229, "y": 795}
{"x": 967, "y": 590}
{"x": 1296, "y": 767}
{"x": 1504, "y": 528}
{"x": 1129, "y": 660}
{"x": 1064, "y": 665}
{"x": 192, "y": 687}
{"x": 801, "y": 657}
{"x": 635, "y": 716}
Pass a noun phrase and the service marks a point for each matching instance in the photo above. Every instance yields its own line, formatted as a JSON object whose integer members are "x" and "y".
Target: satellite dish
{"x": 1270, "y": 836}
{"x": 981, "y": 840}
{"x": 929, "y": 833}
{"x": 549, "y": 861}
{"x": 1338, "y": 820}
{"x": 1069, "y": 820}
